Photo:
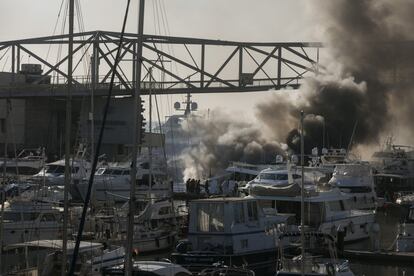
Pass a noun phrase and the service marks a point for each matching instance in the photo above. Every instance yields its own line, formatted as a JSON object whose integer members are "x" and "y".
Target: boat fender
{"x": 351, "y": 227}
{"x": 330, "y": 269}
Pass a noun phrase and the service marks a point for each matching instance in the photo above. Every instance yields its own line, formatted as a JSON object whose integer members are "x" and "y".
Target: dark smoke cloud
{"x": 222, "y": 139}
{"x": 366, "y": 91}
{"x": 371, "y": 91}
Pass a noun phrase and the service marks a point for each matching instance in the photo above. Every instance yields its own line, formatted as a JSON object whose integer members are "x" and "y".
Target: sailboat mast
{"x": 302, "y": 203}
{"x": 67, "y": 139}
{"x": 136, "y": 139}
{"x": 3, "y": 192}
{"x": 150, "y": 133}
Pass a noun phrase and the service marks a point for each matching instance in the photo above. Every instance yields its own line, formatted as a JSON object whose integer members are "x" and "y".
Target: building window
{"x": 3, "y": 125}
{"x": 120, "y": 149}
{"x": 244, "y": 243}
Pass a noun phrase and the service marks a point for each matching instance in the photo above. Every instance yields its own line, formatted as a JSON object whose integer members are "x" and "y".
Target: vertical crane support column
{"x": 240, "y": 65}
{"x": 279, "y": 68}
{"x": 203, "y": 51}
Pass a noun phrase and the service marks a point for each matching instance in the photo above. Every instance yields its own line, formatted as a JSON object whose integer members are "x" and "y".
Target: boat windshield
{"x": 273, "y": 176}
{"x": 55, "y": 169}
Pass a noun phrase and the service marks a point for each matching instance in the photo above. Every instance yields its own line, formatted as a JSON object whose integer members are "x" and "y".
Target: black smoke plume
{"x": 369, "y": 93}
{"x": 222, "y": 139}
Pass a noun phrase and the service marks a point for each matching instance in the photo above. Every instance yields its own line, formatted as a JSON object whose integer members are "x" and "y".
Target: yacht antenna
{"x": 136, "y": 138}
{"x": 302, "y": 204}
{"x": 68, "y": 125}
{"x": 352, "y": 138}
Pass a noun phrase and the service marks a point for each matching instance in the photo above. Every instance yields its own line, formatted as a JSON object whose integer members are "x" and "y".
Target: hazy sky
{"x": 241, "y": 20}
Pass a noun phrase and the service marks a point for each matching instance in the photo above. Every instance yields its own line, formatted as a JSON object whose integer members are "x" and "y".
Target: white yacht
{"x": 271, "y": 177}
{"x": 232, "y": 231}
{"x": 326, "y": 208}
{"x": 405, "y": 237}
{"x": 54, "y": 173}
{"x": 313, "y": 264}
{"x": 112, "y": 182}
{"x": 43, "y": 257}
{"x": 27, "y": 162}
{"x": 394, "y": 166}
{"x": 155, "y": 228}
{"x": 357, "y": 181}
{"x": 30, "y": 220}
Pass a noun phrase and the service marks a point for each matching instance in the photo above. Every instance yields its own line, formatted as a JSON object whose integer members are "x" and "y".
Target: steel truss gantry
{"x": 177, "y": 64}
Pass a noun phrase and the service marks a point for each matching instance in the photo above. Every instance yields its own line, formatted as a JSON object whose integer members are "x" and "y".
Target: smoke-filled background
{"x": 363, "y": 94}
{"x": 222, "y": 139}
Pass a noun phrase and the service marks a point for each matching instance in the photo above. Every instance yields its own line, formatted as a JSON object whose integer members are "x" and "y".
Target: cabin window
{"x": 296, "y": 176}
{"x": 164, "y": 211}
{"x": 244, "y": 243}
{"x": 55, "y": 169}
{"x": 100, "y": 171}
{"x": 210, "y": 217}
{"x": 48, "y": 217}
{"x": 252, "y": 210}
{"x": 75, "y": 169}
{"x": 281, "y": 177}
{"x": 238, "y": 213}
{"x": 267, "y": 176}
{"x": 117, "y": 172}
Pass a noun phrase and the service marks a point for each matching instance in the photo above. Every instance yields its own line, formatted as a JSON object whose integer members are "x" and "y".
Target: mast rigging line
{"x": 98, "y": 147}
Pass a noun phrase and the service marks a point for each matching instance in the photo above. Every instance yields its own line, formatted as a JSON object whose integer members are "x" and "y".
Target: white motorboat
{"x": 326, "y": 208}
{"x": 312, "y": 264}
{"x": 54, "y": 173}
{"x": 112, "y": 183}
{"x": 27, "y": 162}
{"x": 232, "y": 231}
{"x": 45, "y": 257}
{"x": 405, "y": 237}
{"x": 356, "y": 180}
{"x": 25, "y": 221}
{"x": 394, "y": 166}
{"x": 154, "y": 228}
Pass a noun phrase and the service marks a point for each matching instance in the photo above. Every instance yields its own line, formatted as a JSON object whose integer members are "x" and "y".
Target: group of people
{"x": 227, "y": 187}
{"x": 193, "y": 186}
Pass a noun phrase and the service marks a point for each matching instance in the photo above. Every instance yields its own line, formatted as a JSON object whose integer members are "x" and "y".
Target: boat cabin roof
{"x": 223, "y": 199}
{"x": 56, "y": 245}
{"x": 310, "y": 196}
